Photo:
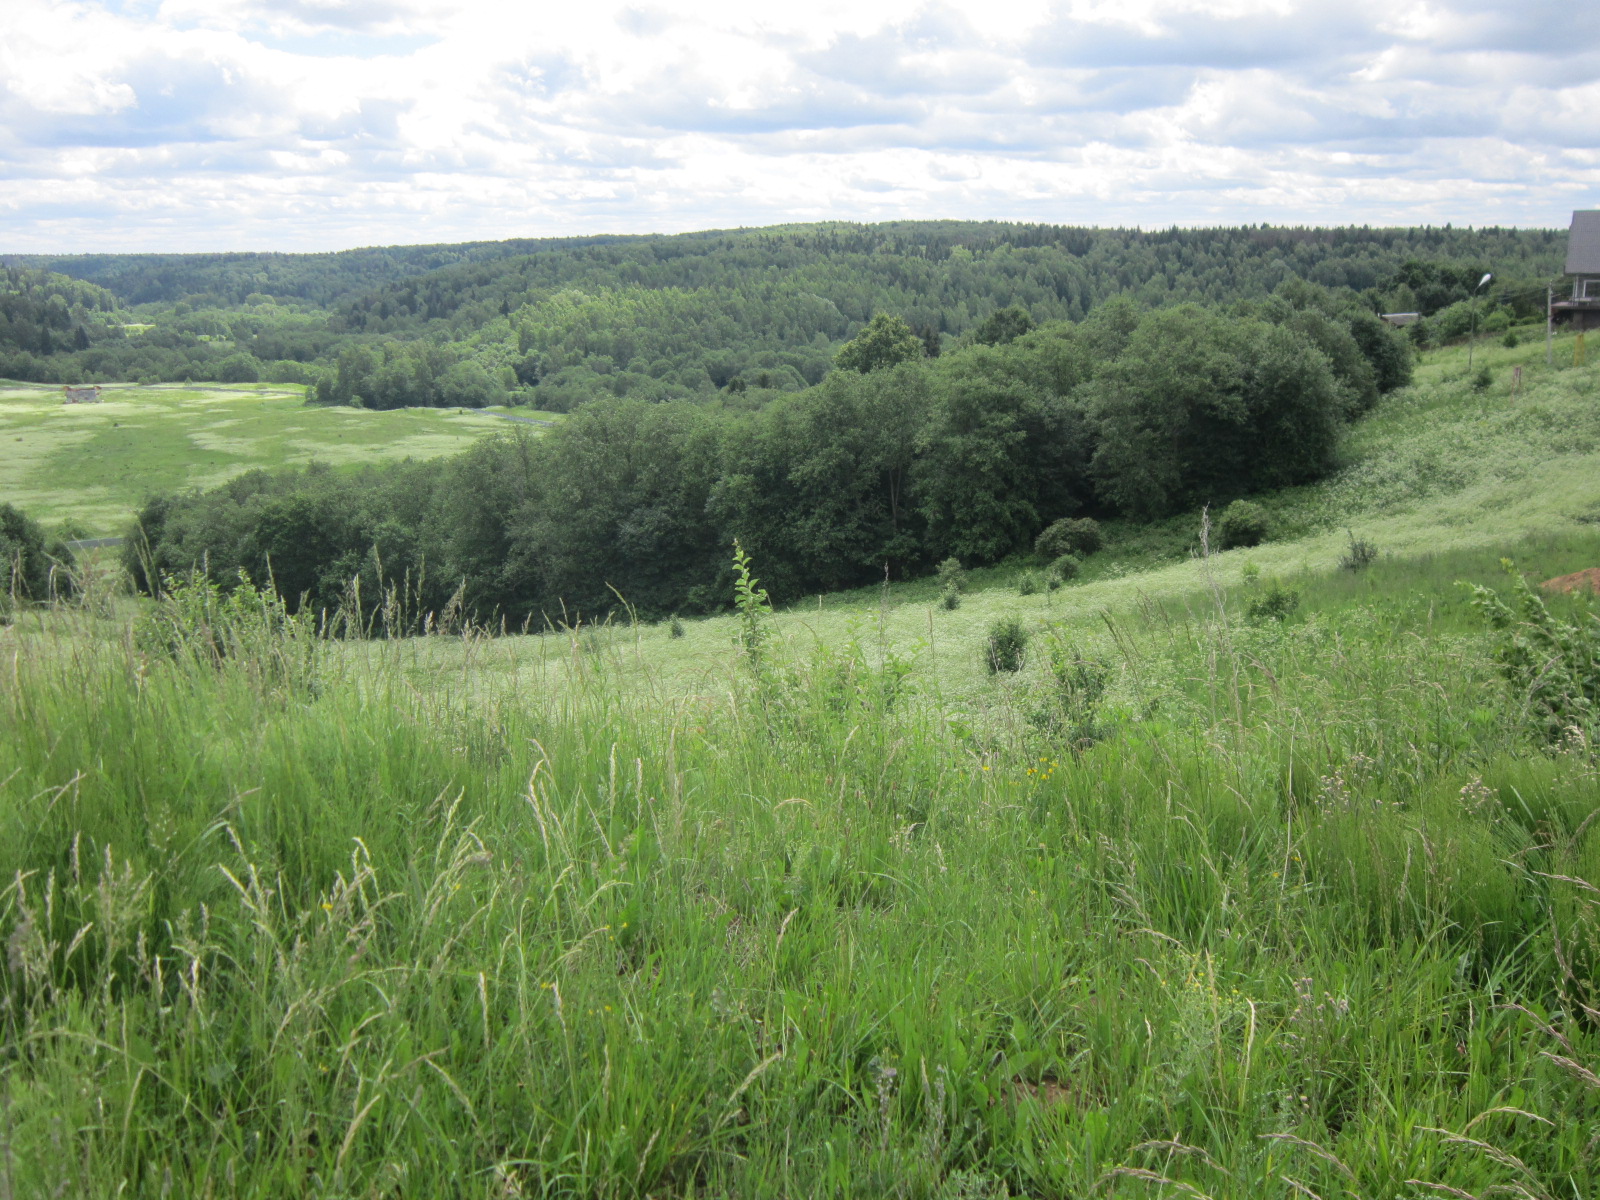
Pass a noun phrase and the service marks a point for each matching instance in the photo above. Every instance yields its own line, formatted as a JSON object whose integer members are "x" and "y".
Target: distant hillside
{"x": 556, "y": 322}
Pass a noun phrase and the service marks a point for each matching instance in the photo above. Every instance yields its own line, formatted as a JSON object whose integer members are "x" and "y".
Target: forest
{"x": 555, "y": 323}
{"x": 896, "y": 461}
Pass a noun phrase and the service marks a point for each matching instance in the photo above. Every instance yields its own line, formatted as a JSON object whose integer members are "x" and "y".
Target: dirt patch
{"x": 1578, "y": 581}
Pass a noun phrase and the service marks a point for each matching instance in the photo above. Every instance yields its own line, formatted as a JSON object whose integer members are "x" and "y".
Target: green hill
{"x": 556, "y": 322}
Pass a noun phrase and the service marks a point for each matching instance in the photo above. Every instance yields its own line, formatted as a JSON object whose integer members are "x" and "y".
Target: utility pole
{"x": 1549, "y": 325}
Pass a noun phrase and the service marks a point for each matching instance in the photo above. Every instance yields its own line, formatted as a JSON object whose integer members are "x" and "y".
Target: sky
{"x": 173, "y": 125}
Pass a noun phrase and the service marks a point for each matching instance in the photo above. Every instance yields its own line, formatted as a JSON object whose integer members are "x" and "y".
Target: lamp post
{"x": 1472, "y": 341}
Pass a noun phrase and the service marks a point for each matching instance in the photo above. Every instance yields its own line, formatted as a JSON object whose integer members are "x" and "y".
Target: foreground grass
{"x": 94, "y": 464}
{"x": 1291, "y": 908}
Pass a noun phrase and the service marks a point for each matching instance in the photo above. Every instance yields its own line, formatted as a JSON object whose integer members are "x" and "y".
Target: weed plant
{"x": 1358, "y": 555}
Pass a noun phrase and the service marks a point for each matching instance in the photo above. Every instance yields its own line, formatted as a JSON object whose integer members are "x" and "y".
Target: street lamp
{"x": 1472, "y": 341}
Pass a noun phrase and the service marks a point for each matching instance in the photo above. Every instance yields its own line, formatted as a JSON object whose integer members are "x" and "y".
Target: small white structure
{"x": 81, "y": 395}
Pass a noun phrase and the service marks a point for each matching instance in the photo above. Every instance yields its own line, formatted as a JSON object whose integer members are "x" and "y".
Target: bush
{"x": 32, "y": 566}
{"x": 1511, "y": 341}
{"x": 1275, "y": 603}
{"x": 1243, "y": 523}
{"x": 675, "y": 627}
{"x": 1481, "y": 379}
{"x": 195, "y": 623}
{"x": 1029, "y": 583}
{"x": 1071, "y": 696}
{"x": 1359, "y": 554}
{"x": 1548, "y": 663}
{"x": 952, "y": 576}
{"x": 950, "y": 599}
{"x": 1072, "y": 535}
{"x": 1065, "y": 569}
{"x": 1006, "y": 648}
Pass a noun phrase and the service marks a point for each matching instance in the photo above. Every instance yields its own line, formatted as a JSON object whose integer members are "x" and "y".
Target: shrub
{"x": 1243, "y": 523}
{"x": 1549, "y": 664}
{"x": 1029, "y": 583}
{"x": 1275, "y": 603}
{"x": 950, "y": 598}
{"x": 952, "y": 576}
{"x": 1071, "y": 535}
{"x": 1072, "y": 695}
{"x": 1511, "y": 341}
{"x": 1481, "y": 379}
{"x": 1359, "y": 554}
{"x": 1065, "y": 569}
{"x": 675, "y": 627}
{"x": 31, "y": 564}
{"x": 195, "y": 623}
{"x": 1006, "y": 647}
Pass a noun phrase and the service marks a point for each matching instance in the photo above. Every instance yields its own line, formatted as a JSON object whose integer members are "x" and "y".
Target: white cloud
{"x": 188, "y": 124}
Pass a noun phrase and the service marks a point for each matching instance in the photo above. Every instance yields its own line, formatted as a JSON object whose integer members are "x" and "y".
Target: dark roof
{"x": 1583, "y": 244}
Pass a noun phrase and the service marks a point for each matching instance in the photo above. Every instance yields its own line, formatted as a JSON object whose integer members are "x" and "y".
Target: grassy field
{"x": 1443, "y": 478}
{"x": 1197, "y": 903}
{"x": 94, "y": 464}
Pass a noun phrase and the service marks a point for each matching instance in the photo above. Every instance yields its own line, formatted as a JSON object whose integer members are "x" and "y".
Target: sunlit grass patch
{"x": 95, "y": 463}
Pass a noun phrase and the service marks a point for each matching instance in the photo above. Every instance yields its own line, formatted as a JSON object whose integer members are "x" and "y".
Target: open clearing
{"x": 94, "y": 464}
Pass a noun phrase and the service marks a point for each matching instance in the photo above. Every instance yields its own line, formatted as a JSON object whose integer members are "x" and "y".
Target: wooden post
{"x": 1516, "y": 380}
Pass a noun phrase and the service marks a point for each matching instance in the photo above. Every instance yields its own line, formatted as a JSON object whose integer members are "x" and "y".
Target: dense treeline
{"x": 556, "y": 323}
{"x": 41, "y": 313}
{"x": 1135, "y": 412}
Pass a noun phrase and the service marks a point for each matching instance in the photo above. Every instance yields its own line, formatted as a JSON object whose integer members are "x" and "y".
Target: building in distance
{"x": 1582, "y": 309}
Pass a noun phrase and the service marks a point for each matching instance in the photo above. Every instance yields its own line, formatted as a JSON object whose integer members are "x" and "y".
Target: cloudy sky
{"x": 324, "y": 124}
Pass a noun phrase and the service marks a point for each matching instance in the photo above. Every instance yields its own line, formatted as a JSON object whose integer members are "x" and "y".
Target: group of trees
{"x": 408, "y": 375}
{"x": 33, "y": 565}
{"x": 555, "y": 323}
{"x": 895, "y": 461}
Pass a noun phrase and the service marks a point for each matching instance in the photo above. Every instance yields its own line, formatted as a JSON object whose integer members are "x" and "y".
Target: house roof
{"x": 1583, "y": 244}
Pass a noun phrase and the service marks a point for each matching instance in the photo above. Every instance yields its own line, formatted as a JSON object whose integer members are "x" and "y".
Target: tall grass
{"x": 1269, "y": 907}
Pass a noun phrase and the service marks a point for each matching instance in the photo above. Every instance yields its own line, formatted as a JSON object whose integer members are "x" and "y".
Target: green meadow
{"x": 1213, "y": 897}
{"x": 94, "y": 464}
{"x": 1443, "y": 478}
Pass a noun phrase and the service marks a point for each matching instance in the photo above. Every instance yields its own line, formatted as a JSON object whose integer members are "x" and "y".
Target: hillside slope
{"x": 1438, "y": 467}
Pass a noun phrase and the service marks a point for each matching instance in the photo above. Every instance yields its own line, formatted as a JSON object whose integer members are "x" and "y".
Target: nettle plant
{"x": 195, "y": 622}
{"x": 1552, "y": 665}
